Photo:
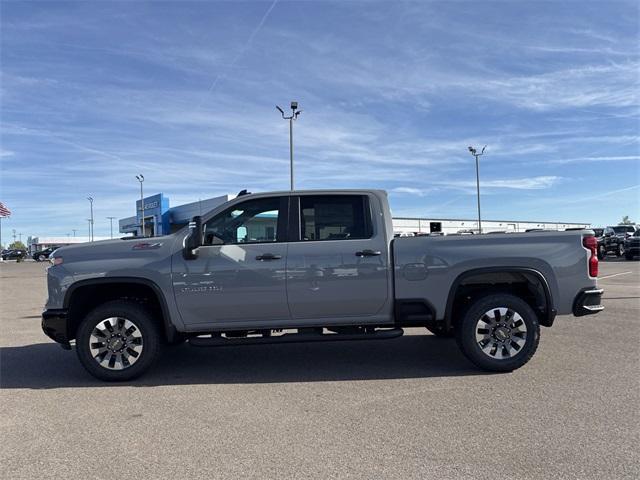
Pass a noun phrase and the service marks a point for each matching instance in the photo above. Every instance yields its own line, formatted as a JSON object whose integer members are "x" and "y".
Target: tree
{"x": 625, "y": 221}
{"x": 17, "y": 245}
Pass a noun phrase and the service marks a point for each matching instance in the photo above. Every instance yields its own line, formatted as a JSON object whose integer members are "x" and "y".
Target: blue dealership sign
{"x": 156, "y": 213}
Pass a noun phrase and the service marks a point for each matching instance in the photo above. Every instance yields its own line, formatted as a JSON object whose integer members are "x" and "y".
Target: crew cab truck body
{"x": 313, "y": 266}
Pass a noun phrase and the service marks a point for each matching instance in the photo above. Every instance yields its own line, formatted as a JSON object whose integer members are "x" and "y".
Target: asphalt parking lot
{"x": 412, "y": 407}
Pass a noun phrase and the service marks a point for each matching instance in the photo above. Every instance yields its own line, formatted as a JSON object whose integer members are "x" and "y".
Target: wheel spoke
{"x": 120, "y": 324}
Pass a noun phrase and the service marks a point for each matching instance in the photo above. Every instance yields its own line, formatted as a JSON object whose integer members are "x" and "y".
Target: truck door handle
{"x": 268, "y": 256}
{"x": 368, "y": 253}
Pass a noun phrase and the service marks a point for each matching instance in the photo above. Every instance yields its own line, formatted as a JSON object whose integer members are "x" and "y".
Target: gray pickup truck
{"x": 308, "y": 266}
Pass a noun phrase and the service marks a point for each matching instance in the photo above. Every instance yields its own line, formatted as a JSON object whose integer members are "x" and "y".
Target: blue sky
{"x": 392, "y": 94}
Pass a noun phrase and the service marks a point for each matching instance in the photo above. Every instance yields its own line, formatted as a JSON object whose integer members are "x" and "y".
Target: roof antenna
{"x": 243, "y": 192}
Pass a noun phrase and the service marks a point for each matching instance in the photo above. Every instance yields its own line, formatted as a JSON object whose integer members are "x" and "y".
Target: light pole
{"x": 477, "y": 155}
{"x": 141, "y": 180}
{"x": 74, "y": 230}
{"x": 294, "y": 116}
{"x": 91, "y": 219}
{"x": 111, "y": 225}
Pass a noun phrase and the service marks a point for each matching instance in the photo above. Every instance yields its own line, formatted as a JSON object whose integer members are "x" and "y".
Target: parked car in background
{"x": 13, "y": 254}
{"x": 42, "y": 255}
{"x": 614, "y": 237}
{"x": 599, "y": 233}
{"x": 632, "y": 246}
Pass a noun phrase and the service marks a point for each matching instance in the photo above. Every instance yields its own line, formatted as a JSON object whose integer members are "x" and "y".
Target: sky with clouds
{"x": 392, "y": 95}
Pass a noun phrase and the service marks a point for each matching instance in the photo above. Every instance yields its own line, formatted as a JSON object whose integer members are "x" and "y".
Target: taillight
{"x": 591, "y": 243}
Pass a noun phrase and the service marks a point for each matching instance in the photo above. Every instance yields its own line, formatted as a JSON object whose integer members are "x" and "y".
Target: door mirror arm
{"x": 193, "y": 241}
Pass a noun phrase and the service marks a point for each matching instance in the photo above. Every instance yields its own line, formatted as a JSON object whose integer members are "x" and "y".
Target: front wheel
{"x": 499, "y": 333}
{"x": 620, "y": 251}
{"x": 118, "y": 341}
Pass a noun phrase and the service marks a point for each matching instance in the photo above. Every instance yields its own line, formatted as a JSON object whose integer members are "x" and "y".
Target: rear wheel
{"x": 118, "y": 341}
{"x": 499, "y": 332}
{"x": 41, "y": 258}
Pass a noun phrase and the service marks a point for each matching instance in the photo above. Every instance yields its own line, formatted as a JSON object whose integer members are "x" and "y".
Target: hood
{"x": 118, "y": 248}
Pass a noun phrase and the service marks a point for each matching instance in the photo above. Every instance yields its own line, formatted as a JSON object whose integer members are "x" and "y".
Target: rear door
{"x": 338, "y": 261}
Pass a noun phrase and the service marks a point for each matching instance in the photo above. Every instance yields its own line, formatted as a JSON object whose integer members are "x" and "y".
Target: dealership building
{"x": 161, "y": 219}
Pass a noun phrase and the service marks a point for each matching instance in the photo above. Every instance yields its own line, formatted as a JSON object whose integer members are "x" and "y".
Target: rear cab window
{"x": 335, "y": 217}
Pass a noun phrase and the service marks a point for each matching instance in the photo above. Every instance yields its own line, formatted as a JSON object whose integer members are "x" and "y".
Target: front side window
{"x": 334, "y": 217}
{"x": 253, "y": 221}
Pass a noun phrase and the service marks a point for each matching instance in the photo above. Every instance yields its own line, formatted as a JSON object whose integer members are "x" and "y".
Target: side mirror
{"x": 194, "y": 240}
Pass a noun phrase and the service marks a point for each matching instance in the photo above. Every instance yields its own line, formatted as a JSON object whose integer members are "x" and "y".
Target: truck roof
{"x": 320, "y": 192}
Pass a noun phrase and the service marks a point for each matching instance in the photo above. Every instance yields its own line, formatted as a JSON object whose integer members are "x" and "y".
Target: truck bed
{"x": 427, "y": 267}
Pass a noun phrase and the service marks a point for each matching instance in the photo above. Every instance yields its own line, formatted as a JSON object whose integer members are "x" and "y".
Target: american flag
{"x": 4, "y": 211}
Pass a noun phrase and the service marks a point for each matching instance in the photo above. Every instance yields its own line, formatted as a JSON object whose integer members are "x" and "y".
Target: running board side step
{"x": 294, "y": 338}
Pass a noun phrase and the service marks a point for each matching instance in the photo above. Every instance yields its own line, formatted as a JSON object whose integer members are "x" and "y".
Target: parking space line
{"x": 613, "y": 275}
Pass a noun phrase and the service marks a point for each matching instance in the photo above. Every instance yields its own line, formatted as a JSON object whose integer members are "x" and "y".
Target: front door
{"x": 239, "y": 274}
{"x": 339, "y": 266}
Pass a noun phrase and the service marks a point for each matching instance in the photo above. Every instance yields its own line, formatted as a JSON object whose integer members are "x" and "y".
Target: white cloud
{"x": 409, "y": 191}
{"x": 531, "y": 183}
{"x": 604, "y": 158}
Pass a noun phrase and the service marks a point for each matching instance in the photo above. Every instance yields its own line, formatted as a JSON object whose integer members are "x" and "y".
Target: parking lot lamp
{"x": 140, "y": 178}
{"x": 294, "y": 116}
{"x": 477, "y": 155}
{"x": 91, "y": 219}
{"x": 111, "y": 225}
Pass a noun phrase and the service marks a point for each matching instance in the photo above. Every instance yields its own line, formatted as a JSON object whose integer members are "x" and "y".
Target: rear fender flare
{"x": 550, "y": 314}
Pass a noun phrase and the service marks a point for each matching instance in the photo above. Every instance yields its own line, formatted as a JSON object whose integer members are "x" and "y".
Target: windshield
{"x": 637, "y": 234}
{"x": 624, "y": 229}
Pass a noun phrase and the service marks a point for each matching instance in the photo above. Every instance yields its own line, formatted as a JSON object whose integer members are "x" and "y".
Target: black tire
{"x": 601, "y": 253}
{"x": 439, "y": 331}
{"x": 41, "y": 258}
{"x": 146, "y": 326}
{"x": 628, "y": 256}
{"x": 620, "y": 250}
{"x": 466, "y": 333}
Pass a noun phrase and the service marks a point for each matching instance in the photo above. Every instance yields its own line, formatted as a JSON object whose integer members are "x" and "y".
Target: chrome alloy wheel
{"x": 116, "y": 343}
{"x": 501, "y": 333}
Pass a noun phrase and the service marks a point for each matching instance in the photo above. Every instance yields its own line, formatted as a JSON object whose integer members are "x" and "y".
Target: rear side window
{"x": 334, "y": 217}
